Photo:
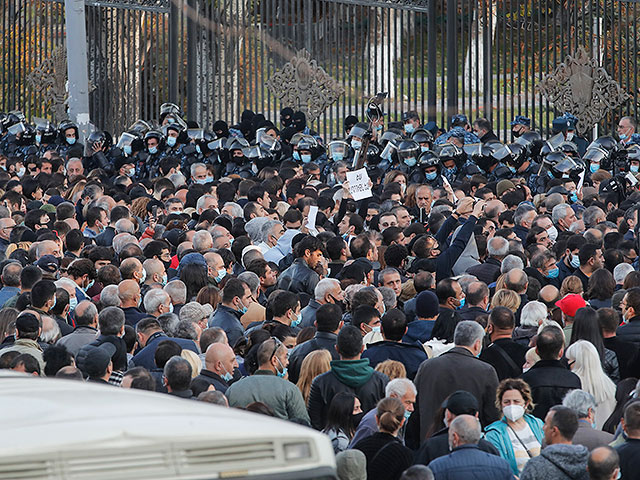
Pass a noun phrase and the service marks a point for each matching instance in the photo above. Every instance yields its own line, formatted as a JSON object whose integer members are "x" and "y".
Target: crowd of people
{"x": 477, "y": 316}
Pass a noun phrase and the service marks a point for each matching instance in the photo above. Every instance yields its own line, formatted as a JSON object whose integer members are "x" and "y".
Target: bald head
{"x": 464, "y": 430}
{"x": 516, "y": 280}
{"x": 129, "y": 293}
{"x": 48, "y": 247}
{"x": 549, "y": 295}
{"x": 131, "y": 268}
{"x": 214, "y": 263}
{"x": 493, "y": 209}
{"x": 603, "y": 463}
{"x": 86, "y": 314}
{"x": 155, "y": 271}
{"x": 6, "y": 224}
{"x": 220, "y": 359}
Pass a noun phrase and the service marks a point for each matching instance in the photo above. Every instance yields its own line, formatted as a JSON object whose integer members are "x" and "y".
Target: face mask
{"x": 553, "y": 273}
{"x": 573, "y": 197}
{"x": 338, "y": 156}
{"x": 379, "y": 128}
{"x": 283, "y": 373}
{"x": 515, "y": 134}
{"x": 89, "y": 285}
{"x": 144, "y": 276}
{"x": 54, "y": 303}
{"x": 22, "y": 171}
{"x": 462, "y": 302}
{"x": 553, "y": 233}
{"x": 431, "y": 176}
{"x": 73, "y": 303}
{"x": 198, "y": 149}
{"x": 407, "y": 414}
{"x": 356, "y": 144}
{"x": 594, "y": 167}
{"x": 550, "y": 174}
{"x": 296, "y": 155}
{"x": 453, "y": 170}
{"x": 513, "y": 412}
{"x": 171, "y": 308}
{"x": 171, "y": 141}
{"x": 424, "y": 149}
{"x": 227, "y": 377}
{"x": 243, "y": 309}
{"x": 127, "y": 149}
{"x": 306, "y": 158}
{"x": 131, "y": 172}
{"x": 634, "y": 168}
{"x": 575, "y": 261}
{"x": 410, "y": 162}
{"x": 297, "y": 321}
{"x": 38, "y": 138}
{"x": 525, "y": 370}
{"x": 221, "y": 274}
{"x": 165, "y": 279}
{"x": 376, "y": 329}
{"x": 153, "y": 150}
{"x": 570, "y": 136}
{"x": 513, "y": 169}
{"x": 409, "y": 128}
{"x": 71, "y": 141}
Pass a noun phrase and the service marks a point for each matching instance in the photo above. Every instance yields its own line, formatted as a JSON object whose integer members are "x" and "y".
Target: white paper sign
{"x": 311, "y": 219}
{"x": 359, "y": 184}
{"x": 581, "y": 181}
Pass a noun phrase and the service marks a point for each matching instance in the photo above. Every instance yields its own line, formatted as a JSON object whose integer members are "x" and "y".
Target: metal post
{"x": 452, "y": 59}
{"x": 192, "y": 58}
{"x": 431, "y": 61}
{"x": 175, "y": 17}
{"x": 77, "y": 66}
{"x": 486, "y": 45}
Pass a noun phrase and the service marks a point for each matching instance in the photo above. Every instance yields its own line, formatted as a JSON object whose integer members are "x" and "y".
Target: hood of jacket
{"x": 571, "y": 458}
{"x": 353, "y": 373}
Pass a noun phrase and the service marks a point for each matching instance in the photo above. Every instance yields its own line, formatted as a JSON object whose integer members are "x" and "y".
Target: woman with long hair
{"x": 386, "y": 456}
{"x": 584, "y": 361}
{"x": 314, "y": 364}
{"x": 600, "y": 289}
{"x": 586, "y": 327}
{"x": 195, "y": 278}
{"x": 343, "y": 417}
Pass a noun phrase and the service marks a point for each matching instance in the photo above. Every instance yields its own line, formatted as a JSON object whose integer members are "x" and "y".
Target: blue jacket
{"x": 228, "y": 319}
{"x": 410, "y": 355}
{"x": 147, "y": 356}
{"x": 497, "y": 434}
{"x": 418, "y": 331}
{"x": 468, "y": 462}
{"x": 6, "y": 293}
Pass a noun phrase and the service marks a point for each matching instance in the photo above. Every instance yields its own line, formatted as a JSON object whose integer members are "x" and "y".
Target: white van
{"x": 64, "y": 429}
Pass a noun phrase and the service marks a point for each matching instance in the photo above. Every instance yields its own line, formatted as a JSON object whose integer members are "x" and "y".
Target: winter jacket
{"x": 354, "y": 376}
{"x": 498, "y": 434}
{"x": 299, "y": 278}
{"x": 321, "y": 341}
{"x": 410, "y": 355}
{"x": 468, "y": 462}
{"x": 228, "y": 319}
{"x": 558, "y": 462}
{"x": 630, "y": 331}
{"x": 487, "y": 272}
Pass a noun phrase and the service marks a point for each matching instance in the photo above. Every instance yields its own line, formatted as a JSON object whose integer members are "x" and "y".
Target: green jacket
{"x": 264, "y": 386}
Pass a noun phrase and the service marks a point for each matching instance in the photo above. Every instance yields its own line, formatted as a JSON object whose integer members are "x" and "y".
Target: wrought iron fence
{"x": 217, "y": 58}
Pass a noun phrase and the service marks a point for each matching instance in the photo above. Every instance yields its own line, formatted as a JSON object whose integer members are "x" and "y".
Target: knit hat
{"x": 426, "y": 304}
{"x": 351, "y": 465}
{"x": 503, "y": 186}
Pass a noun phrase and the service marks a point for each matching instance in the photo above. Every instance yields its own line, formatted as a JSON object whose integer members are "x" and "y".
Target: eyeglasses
{"x": 278, "y": 343}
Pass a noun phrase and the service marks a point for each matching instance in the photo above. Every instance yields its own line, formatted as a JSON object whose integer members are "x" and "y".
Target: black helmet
{"x": 47, "y": 131}
{"x": 140, "y": 128}
{"x": 429, "y": 159}
{"x": 482, "y": 154}
{"x": 607, "y": 143}
{"x": 532, "y": 141}
{"x": 172, "y": 109}
{"x": 449, "y": 151}
{"x": 27, "y": 135}
{"x": 551, "y": 145}
{"x": 569, "y": 148}
{"x": 408, "y": 151}
{"x": 64, "y": 126}
{"x": 236, "y": 143}
{"x": 337, "y": 150}
{"x": 597, "y": 154}
{"x": 422, "y": 136}
{"x": 267, "y": 142}
{"x": 519, "y": 155}
{"x": 154, "y": 134}
{"x": 98, "y": 137}
{"x": 360, "y": 130}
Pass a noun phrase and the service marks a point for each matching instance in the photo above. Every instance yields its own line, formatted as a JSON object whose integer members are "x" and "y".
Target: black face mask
{"x": 515, "y": 134}
{"x": 356, "y": 419}
{"x": 167, "y": 265}
{"x": 339, "y": 303}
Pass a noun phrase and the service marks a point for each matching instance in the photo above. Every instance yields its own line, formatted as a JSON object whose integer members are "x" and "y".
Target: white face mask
{"x": 513, "y": 412}
{"x": 553, "y": 233}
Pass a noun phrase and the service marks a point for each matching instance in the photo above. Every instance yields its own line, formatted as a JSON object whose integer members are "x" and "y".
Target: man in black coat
{"x": 629, "y": 451}
{"x": 627, "y": 352}
{"x": 328, "y": 323}
{"x": 489, "y": 271}
{"x": 505, "y": 355}
{"x": 629, "y": 331}
{"x": 476, "y": 303}
{"x": 219, "y": 365}
{"x": 549, "y": 379}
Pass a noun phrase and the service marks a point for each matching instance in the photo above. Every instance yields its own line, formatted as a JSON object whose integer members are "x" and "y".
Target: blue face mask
{"x": 283, "y": 373}
{"x": 513, "y": 169}
{"x": 623, "y": 136}
{"x": 153, "y": 150}
{"x": 634, "y": 168}
{"x": 338, "y": 156}
{"x": 452, "y": 170}
{"x": 171, "y": 141}
{"x": 376, "y": 329}
{"x": 198, "y": 149}
{"x": 424, "y": 149}
{"x": 221, "y": 274}
{"x": 38, "y": 138}
{"x": 409, "y": 128}
{"x": 73, "y": 303}
{"x": 410, "y": 162}
{"x": 553, "y": 273}
{"x": 296, "y": 155}
{"x": 550, "y": 174}
{"x": 379, "y": 128}
{"x": 227, "y": 377}
{"x": 573, "y": 197}
{"x": 243, "y": 310}
{"x": 431, "y": 176}
{"x": 306, "y": 158}
{"x": 127, "y": 149}
{"x": 356, "y": 144}
{"x": 575, "y": 261}
{"x": 71, "y": 141}
{"x": 297, "y": 321}
{"x": 89, "y": 286}
{"x": 407, "y": 414}
{"x": 594, "y": 167}
{"x": 462, "y": 302}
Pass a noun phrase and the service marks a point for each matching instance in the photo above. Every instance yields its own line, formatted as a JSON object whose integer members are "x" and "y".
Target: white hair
{"x": 109, "y": 296}
{"x": 498, "y": 247}
{"x": 324, "y": 286}
{"x": 252, "y": 280}
{"x": 65, "y": 281}
{"x": 533, "y": 313}
{"x": 154, "y": 298}
{"x": 50, "y": 330}
{"x": 621, "y": 271}
{"x": 510, "y": 262}
{"x": 202, "y": 240}
{"x": 201, "y": 201}
{"x": 558, "y": 212}
{"x": 177, "y": 290}
{"x": 236, "y": 210}
{"x": 399, "y": 387}
{"x": 121, "y": 240}
{"x": 467, "y": 333}
{"x": 580, "y": 402}
{"x": 196, "y": 165}
{"x": 124, "y": 225}
{"x": 588, "y": 367}
{"x": 177, "y": 179}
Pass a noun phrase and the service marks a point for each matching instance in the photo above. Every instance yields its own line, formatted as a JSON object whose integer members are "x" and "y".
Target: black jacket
{"x": 105, "y": 239}
{"x": 630, "y": 332}
{"x": 299, "y": 278}
{"x": 471, "y": 313}
{"x": 628, "y": 356}
{"x": 322, "y": 340}
{"x": 214, "y": 379}
{"x": 410, "y": 355}
{"x": 550, "y": 381}
{"x": 509, "y": 366}
{"x": 438, "y": 446}
{"x": 487, "y": 272}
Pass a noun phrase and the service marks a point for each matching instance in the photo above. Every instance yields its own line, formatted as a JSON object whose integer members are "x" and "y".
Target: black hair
{"x": 349, "y": 342}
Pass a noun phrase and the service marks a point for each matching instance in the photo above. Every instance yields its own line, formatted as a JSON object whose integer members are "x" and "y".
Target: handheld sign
{"x": 359, "y": 184}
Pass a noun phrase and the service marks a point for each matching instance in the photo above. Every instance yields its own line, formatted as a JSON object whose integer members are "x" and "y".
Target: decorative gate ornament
{"x": 50, "y": 77}
{"x": 305, "y": 86}
{"x": 583, "y": 88}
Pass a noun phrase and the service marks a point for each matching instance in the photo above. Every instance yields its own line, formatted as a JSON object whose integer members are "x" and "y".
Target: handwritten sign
{"x": 359, "y": 184}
